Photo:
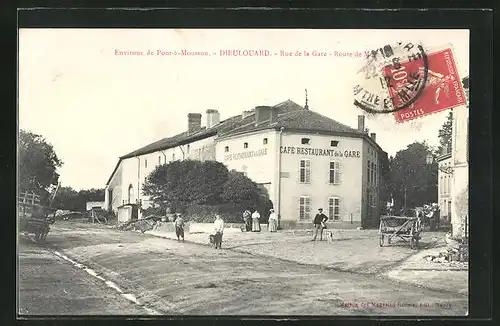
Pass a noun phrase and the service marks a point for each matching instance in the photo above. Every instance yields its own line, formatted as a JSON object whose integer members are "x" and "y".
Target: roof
{"x": 290, "y": 116}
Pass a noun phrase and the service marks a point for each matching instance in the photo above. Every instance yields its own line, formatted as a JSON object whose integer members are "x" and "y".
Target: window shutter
{"x": 337, "y": 172}
{"x": 308, "y": 171}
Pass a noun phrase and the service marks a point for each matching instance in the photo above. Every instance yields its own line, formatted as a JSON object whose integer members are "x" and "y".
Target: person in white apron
{"x": 256, "y": 221}
{"x": 273, "y": 221}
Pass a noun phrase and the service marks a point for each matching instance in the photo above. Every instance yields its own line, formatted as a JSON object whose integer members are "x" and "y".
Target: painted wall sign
{"x": 319, "y": 152}
{"x": 245, "y": 155}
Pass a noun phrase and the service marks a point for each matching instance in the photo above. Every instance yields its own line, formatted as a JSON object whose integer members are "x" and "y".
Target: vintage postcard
{"x": 245, "y": 172}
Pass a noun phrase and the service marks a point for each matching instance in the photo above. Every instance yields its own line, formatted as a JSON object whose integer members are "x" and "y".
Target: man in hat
{"x": 319, "y": 224}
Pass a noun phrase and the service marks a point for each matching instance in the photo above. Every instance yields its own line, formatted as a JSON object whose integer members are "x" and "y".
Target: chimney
{"x": 262, "y": 113}
{"x": 373, "y": 136}
{"x": 194, "y": 122}
{"x": 213, "y": 118}
{"x": 361, "y": 123}
{"x": 273, "y": 117}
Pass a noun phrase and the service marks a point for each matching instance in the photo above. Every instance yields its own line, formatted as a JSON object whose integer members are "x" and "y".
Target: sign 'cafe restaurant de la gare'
{"x": 305, "y": 161}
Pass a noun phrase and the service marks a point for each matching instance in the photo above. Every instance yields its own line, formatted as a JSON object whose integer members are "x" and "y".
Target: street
{"x": 83, "y": 269}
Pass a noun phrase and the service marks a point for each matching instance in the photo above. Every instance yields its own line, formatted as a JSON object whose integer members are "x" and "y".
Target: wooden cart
{"x": 33, "y": 217}
{"x": 403, "y": 228}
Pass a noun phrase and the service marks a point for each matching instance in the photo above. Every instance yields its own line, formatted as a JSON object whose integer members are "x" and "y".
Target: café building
{"x": 303, "y": 159}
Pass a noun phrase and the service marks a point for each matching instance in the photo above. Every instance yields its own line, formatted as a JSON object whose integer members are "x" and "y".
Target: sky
{"x": 94, "y": 106}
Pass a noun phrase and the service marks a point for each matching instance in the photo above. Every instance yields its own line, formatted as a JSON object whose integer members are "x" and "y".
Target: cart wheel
{"x": 381, "y": 240}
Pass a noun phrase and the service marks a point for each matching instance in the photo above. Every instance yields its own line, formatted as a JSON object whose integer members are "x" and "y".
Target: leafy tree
{"x": 38, "y": 164}
{"x": 205, "y": 182}
{"x": 181, "y": 184}
{"x": 445, "y": 134}
{"x": 410, "y": 174}
{"x": 241, "y": 191}
{"x": 69, "y": 199}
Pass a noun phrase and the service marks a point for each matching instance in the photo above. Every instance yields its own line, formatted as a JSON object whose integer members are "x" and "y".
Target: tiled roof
{"x": 290, "y": 116}
{"x": 223, "y": 127}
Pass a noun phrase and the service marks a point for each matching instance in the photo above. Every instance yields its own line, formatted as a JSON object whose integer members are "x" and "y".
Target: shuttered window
{"x": 305, "y": 208}
{"x": 334, "y": 208}
{"x": 334, "y": 176}
{"x": 305, "y": 171}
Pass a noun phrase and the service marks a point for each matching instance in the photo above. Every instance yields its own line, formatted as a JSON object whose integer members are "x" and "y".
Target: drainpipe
{"x": 279, "y": 180}
{"x": 164, "y": 155}
{"x": 138, "y": 175}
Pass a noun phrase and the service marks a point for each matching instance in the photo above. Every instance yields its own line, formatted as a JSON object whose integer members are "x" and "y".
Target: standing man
{"x": 319, "y": 224}
{"x": 179, "y": 227}
{"x": 219, "y": 230}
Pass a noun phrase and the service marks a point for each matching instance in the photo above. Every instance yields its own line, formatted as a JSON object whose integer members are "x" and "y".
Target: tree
{"x": 38, "y": 164}
{"x": 182, "y": 184}
{"x": 69, "y": 199}
{"x": 445, "y": 134}
{"x": 241, "y": 191}
{"x": 411, "y": 175}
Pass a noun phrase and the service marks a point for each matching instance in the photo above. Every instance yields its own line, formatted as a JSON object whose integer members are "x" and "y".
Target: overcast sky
{"x": 94, "y": 106}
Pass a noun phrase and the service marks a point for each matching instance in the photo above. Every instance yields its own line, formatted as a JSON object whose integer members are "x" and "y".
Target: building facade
{"x": 444, "y": 185}
{"x": 304, "y": 160}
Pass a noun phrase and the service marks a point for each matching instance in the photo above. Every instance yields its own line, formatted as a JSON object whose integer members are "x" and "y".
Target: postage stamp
{"x": 392, "y": 79}
{"x": 443, "y": 90}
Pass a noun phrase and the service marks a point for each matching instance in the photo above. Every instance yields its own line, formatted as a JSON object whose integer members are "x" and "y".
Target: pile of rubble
{"x": 457, "y": 251}
{"x": 145, "y": 224}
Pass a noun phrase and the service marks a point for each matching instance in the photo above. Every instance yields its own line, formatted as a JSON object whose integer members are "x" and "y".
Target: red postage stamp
{"x": 443, "y": 89}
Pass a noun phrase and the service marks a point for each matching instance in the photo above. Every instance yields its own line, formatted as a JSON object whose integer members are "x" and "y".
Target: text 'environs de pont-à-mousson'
{"x": 243, "y": 53}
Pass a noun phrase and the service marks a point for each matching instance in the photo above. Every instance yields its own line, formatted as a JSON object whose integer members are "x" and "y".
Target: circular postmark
{"x": 393, "y": 78}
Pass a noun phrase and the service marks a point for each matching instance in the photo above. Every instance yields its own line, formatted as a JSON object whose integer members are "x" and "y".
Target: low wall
{"x": 294, "y": 225}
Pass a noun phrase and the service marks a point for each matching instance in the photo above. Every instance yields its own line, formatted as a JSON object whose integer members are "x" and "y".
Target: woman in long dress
{"x": 256, "y": 221}
{"x": 273, "y": 221}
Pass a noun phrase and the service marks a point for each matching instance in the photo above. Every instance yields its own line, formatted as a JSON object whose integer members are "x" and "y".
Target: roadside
{"x": 187, "y": 278}
{"x": 354, "y": 251}
{"x": 48, "y": 285}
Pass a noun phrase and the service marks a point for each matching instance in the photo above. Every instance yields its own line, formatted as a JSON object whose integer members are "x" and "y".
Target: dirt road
{"x": 185, "y": 278}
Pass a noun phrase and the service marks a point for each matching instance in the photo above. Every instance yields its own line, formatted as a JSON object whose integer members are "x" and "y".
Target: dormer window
{"x": 245, "y": 145}
{"x": 264, "y": 141}
{"x": 305, "y": 141}
{"x": 334, "y": 143}
{"x": 226, "y": 149}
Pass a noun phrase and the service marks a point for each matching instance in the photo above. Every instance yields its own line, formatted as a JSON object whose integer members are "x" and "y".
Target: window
{"x": 441, "y": 191}
{"x": 130, "y": 194}
{"x": 334, "y": 173}
{"x": 334, "y": 143}
{"x": 305, "y": 171}
{"x": 188, "y": 149}
{"x": 146, "y": 163}
{"x": 305, "y": 141}
{"x": 245, "y": 145}
{"x": 159, "y": 160}
{"x": 264, "y": 141}
{"x": 199, "y": 153}
{"x": 373, "y": 172}
{"x": 304, "y": 208}
{"x": 334, "y": 208}
{"x": 173, "y": 157}
{"x": 226, "y": 149}
{"x": 369, "y": 171}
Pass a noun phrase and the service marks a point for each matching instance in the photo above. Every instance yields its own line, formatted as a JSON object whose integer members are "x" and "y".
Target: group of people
{"x": 252, "y": 221}
{"x": 218, "y": 229}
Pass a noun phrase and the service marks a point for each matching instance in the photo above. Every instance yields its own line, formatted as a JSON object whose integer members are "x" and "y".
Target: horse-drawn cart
{"x": 33, "y": 217}
{"x": 403, "y": 228}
